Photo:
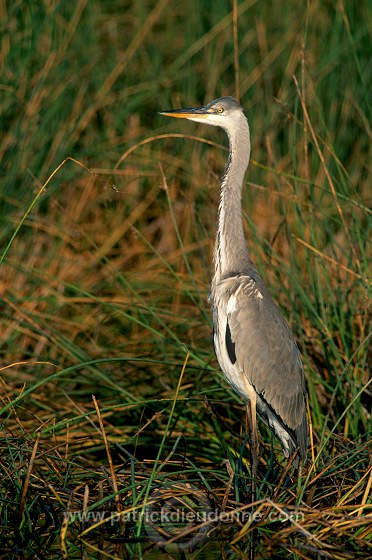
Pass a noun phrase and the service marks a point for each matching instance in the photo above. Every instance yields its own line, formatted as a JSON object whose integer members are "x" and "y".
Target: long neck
{"x": 230, "y": 251}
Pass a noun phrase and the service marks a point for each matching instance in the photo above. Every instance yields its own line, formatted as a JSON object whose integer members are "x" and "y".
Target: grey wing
{"x": 266, "y": 353}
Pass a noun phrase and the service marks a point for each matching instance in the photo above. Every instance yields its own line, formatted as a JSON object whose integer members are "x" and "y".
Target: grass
{"x": 108, "y": 216}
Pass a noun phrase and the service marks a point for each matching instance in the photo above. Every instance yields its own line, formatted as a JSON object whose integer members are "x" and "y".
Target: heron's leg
{"x": 254, "y": 445}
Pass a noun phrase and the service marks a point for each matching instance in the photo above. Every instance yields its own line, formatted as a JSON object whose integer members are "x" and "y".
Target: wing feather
{"x": 265, "y": 349}
{"x": 230, "y": 345}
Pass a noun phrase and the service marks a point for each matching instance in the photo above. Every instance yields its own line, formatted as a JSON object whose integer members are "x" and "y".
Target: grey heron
{"x": 253, "y": 343}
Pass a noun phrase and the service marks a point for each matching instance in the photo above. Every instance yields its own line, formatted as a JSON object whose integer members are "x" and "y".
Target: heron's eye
{"x": 219, "y": 110}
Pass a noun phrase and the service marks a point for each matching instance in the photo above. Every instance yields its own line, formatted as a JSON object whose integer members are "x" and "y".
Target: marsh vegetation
{"x": 108, "y": 215}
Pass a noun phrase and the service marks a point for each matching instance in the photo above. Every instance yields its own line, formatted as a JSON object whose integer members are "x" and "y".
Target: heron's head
{"x": 224, "y": 112}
